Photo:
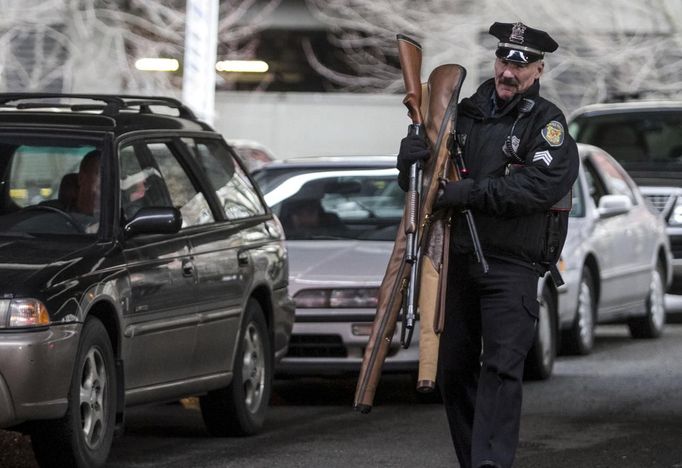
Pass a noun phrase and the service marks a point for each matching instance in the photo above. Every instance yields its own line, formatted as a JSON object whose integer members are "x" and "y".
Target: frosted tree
{"x": 607, "y": 48}
{"x": 92, "y": 45}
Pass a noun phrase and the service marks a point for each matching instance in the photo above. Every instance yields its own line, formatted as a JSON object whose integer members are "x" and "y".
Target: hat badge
{"x": 517, "y": 33}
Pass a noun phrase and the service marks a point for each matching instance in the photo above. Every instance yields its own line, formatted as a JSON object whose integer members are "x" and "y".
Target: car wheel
{"x": 579, "y": 338}
{"x": 239, "y": 409}
{"x": 540, "y": 359}
{"x": 652, "y": 323}
{"x": 82, "y": 438}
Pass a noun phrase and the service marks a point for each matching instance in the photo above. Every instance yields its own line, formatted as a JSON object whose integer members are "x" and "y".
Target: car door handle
{"x": 187, "y": 267}
{"x": 243, "y": 258}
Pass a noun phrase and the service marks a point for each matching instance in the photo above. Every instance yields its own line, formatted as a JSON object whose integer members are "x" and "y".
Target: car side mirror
{"x": 613, "y": 205}
{"x": 154, "y": 220}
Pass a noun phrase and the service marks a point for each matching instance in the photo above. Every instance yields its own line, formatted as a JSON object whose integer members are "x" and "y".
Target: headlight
{"x": 676, "y": 215}
{"x": 23, "y": 313}
{"x": 348, "y": 298}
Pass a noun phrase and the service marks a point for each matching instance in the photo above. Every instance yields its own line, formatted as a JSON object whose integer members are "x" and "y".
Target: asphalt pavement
{"x": 620, "y": 407}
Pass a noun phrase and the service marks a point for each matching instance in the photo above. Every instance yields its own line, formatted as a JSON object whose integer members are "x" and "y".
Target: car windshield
{"x": 635, "y": 139}
{"x": 334, "y": 203}
{"x": 49, "y": 186}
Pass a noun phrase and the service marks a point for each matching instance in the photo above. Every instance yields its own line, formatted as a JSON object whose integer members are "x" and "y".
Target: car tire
{"x": 82, "y": 438}
{"x": 652, "y": 323}
{"x": 579, "y": 338}
{"x": 540, "y": 360}
{"x": 239, "y": 409}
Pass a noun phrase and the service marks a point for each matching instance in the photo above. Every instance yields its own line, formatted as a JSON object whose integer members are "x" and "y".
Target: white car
{"x": 340, "y": 217}
{"x": 616, "y": 263}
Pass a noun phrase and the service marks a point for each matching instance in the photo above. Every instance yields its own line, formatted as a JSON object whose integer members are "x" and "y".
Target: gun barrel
{"x": 478, "y": 250}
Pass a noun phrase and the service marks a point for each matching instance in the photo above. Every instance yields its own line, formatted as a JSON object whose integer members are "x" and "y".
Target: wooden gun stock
{"x": 410, "y": 53}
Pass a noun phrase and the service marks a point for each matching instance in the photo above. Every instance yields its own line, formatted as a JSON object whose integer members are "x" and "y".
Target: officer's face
{"x": 513, "y": 78}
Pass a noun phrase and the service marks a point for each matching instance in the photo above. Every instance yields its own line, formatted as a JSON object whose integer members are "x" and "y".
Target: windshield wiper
{"x": 370, "y": 212}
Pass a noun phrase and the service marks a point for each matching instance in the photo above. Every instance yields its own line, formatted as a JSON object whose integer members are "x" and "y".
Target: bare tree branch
{"x": 607, "y": 48}
{"x": 91, "y": 45}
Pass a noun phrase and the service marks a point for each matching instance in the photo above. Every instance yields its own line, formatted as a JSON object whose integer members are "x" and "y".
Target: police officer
{"x": 520, "y": 163}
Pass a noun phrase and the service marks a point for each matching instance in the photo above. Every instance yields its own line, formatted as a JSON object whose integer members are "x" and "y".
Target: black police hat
{"x": 520, "y": 43}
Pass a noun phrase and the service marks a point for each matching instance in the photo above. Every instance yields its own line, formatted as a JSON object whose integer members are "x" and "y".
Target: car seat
{"x": 625, "y": 143}
{"x": 68, "y": 190}
{"x": 67, "y": 194}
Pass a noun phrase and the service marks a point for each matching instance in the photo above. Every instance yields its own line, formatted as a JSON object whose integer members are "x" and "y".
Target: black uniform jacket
{"x": 510, "y": 207}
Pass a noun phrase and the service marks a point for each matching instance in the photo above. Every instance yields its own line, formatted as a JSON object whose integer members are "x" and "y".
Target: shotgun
{"x": 410, "y": 53}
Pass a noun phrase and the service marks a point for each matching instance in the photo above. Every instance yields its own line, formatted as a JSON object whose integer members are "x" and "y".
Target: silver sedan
{"x": 616, "y": 263}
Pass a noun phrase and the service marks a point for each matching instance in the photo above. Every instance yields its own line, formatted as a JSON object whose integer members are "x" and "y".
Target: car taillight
{"x": 342, "y": 298}
{"x": 23, "y": 313}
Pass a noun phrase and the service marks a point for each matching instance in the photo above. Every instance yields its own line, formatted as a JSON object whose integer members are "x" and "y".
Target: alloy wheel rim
{"x": 92, "y": 393}
{"x": 253, "y": 368}
{"x": 656, "y": 300}
{"x": 544, "y": 333}
{"x": 585, "y": 313}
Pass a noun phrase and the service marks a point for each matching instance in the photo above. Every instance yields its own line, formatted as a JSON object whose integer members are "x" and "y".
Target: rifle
{"x": 410, "y": 54}
{"x": 461, "y": 172}
{"x": 422, "y": 276}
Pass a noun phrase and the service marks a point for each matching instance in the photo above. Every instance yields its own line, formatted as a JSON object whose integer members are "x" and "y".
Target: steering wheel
{"x": 53, "y": 209}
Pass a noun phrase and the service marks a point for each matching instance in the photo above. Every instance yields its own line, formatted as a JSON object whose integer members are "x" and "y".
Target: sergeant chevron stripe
{"x": 543, "y": 156}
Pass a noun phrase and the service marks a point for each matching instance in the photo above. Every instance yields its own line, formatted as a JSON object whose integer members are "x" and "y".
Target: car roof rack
{"x": 112, "y": 103}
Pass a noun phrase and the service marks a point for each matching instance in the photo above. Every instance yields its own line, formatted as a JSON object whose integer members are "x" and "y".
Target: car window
{"x": 49, "y": 185}
{"x": 336, "y": 203}
{"x": 234, "y": 189}
{"x": 595, "y": 185}
{"x": 614, "y": 178}
{"x": 634, "y": 137}
{"x": 151, "y": 175}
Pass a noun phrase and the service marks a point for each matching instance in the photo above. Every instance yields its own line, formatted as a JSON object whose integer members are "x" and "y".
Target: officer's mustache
{"x": 509, "y": 82}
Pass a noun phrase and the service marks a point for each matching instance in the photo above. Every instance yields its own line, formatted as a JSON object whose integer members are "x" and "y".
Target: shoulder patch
{"x": 553, "y": 133}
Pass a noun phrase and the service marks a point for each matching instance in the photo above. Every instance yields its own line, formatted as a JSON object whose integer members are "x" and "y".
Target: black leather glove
{"x": 453, "y": 195}
{"x": 412, "y": 148}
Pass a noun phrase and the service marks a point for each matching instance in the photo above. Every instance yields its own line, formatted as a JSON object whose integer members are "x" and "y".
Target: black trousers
{"x": 489, "y": 328}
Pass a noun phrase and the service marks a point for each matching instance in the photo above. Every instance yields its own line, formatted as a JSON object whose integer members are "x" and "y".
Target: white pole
{"x": 201, "y": 42}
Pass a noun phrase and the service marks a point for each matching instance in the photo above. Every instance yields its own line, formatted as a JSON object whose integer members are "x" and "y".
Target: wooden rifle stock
{"x": 436, "y": 116}
{"x": 410, "y": 54}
